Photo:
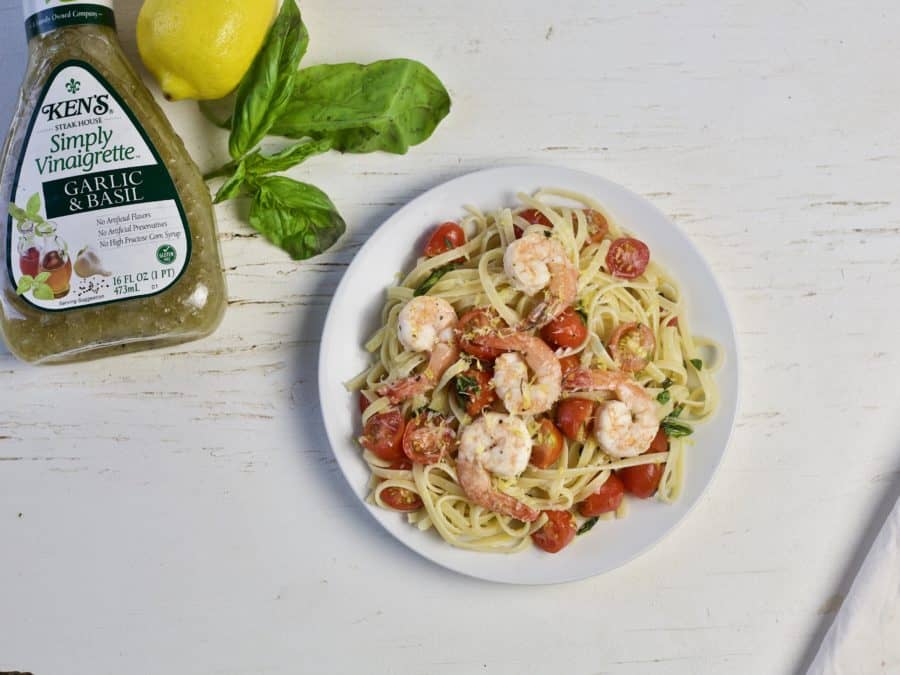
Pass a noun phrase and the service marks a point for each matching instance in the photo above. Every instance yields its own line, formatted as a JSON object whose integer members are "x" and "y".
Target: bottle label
{"x": 43, "y": 16}
{"x": 94, "y": 214}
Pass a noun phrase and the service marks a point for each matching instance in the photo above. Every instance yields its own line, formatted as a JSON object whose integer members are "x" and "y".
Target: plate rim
{"x": 410, "y": 206}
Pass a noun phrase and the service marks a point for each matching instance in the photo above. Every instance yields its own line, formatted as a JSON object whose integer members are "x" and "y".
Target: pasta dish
{"x": 534, "y": 368}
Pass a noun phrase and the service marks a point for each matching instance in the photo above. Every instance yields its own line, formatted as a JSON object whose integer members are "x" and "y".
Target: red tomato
{"x": 660, "y": 443}
{"x": 631, "y": 346}
{"x": 643, "y": 481}
{"x": 401, "y": 499}
{"x": 445, "y": 238}
{"x": 473, "y": 388}
{"x": 567, "y": 330}
{"x": 607, "y": 498}
{"x": 627, "y": 258}
{"x": 535, "y": 217}
{"x": 400, "y": 464}
{"x": 570, "y": 363}
{"x": 557, "y": 533}
{"x": 383, "y": 435}
{"x": 474, "y": 323}
{"x": 573, "y": 416}
{"x": 598, "y": 228}
{"x": 428, "y": 437}
{"x": 548, "y": 445}
{"x": 673, "y": 322}
{"x": 363, "y": 403}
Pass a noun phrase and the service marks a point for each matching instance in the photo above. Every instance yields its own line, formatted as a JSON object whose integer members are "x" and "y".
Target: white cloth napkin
{"x": 865, "y": 636}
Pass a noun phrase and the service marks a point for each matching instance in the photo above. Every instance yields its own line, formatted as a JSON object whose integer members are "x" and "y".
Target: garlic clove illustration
{"x": 88, "y": 263}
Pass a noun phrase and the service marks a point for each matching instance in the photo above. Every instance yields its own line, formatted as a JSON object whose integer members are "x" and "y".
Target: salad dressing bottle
{"x": 91, "y": 164}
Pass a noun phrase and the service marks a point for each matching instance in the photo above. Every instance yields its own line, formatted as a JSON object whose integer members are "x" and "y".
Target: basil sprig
{"x": 266, "y": 88}
{"x": 387, "y": 105}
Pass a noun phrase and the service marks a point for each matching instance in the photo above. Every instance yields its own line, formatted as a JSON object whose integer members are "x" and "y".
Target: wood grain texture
{"x": 180, "y": 510}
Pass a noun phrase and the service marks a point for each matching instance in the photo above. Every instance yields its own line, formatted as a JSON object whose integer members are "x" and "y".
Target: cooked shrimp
{"x": 425, "y": 324}
{"x": 511, "y": 380}
{"x": 499, "y": 444}
{"x": 536, "y": 262}
{"x": 626, "y": 425}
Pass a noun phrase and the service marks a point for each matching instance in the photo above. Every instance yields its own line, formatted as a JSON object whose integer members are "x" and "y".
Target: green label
{"x": 106, "y": 189}
{"x": 72, "y": 15}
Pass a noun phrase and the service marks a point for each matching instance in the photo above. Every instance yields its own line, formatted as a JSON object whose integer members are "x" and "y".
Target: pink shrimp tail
{"x": 404, "y": 389}
{"x": 561, "y": 293}
{"x": 476, "y": 483}
{"x": 588, "y": 379}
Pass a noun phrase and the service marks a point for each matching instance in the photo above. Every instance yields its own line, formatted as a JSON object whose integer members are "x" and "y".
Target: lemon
{"x": 201, "y": 49}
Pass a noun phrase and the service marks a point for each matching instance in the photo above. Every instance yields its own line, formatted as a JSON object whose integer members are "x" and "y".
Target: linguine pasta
{"x": 679, "y": 375}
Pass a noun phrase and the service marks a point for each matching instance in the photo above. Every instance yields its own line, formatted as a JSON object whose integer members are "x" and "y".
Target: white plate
{"x": 354, "y": 316}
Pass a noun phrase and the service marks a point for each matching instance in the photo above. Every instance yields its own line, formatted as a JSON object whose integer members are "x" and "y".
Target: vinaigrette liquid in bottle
{"x": 91, "y": 166}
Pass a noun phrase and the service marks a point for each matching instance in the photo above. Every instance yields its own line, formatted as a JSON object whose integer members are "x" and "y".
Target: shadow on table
{"x": 312, "y": 433}
{"x": 866, "y": 539}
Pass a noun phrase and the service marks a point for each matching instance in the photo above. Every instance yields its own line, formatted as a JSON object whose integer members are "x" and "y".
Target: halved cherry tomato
{"x": 573, "y": 416}
{"x": 557, "y": 533}
{"x": 570, "y": 363}
{"x": 566, "y": 330}
{"x": 673, "y": 322}
{"x": 643, "y": 481}
{"x": 363, "y": 403}
{"x": 401, "y": 499}
{"x": 627, "y": 258}
{"x": 535, "y": 217}
{"x": 472, "y": 324}
{"x": 428, "y": 437}
{"x": 631, "y": 346}
{"x": 383, "y": 435}
{"x": 474, "y": 390}
{"x": 598, "y": 228}
{"x": 400, "y": 464}
{"x": 445, "y": 238}
{"x": 548, "y": 445}
{"x": 607, "y": 498}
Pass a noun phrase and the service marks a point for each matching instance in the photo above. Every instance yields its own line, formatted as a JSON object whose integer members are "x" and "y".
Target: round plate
{"x": 355, "y": 312}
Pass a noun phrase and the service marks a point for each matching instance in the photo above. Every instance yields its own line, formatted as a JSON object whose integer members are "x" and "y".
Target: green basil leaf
{"x": 17, "y": 213}
{"x": 663, "y": 396}
{"x": 266, "y": 88}
{"x": 26, "y": 281}
{"x": 33, "y": 207}
{"x": 43, "y": 292}
{"x": 675, "y": 429}
{"x": 231, "y": 188}
{"x": 386, "y": 105}
{"x": 42, "y": 278}
{"x": 259, "y": 164}
{"x": 697, "y": 363}
{"x": 298, "y": 217}
{"x": 467, "y": 387}
{"x": 588, "y": 524}
{"x": 432, "y": 279}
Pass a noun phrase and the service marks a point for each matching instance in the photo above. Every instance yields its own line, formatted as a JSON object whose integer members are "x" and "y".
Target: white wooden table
{"x": 180, "y": 510}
